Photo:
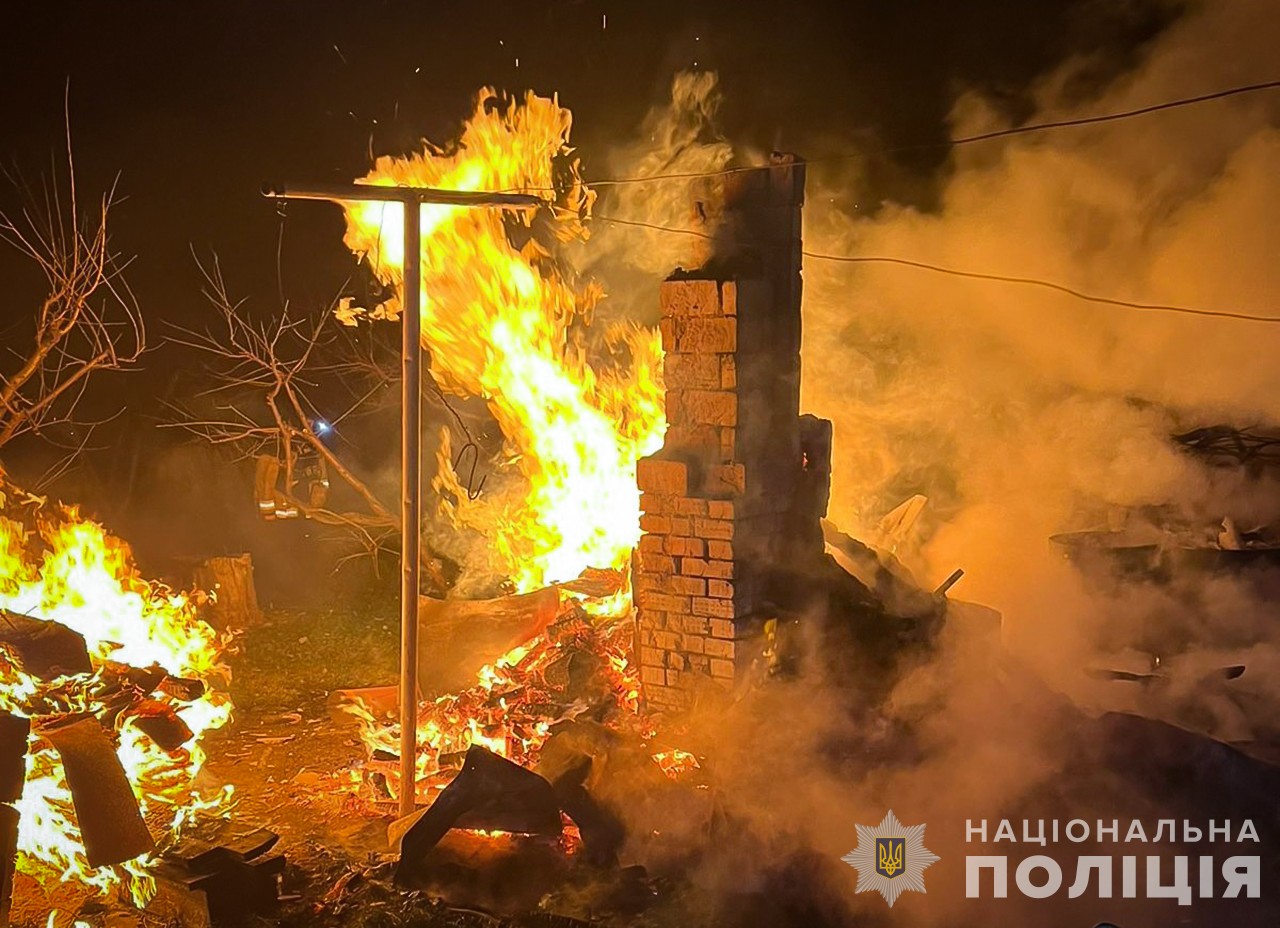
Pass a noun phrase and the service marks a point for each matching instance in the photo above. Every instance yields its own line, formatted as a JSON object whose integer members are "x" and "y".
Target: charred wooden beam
{"x": 106, "y": 808}
{"x": 45, "y": 649}
{"x": 161, "y": 723}
{"x": 13, "y": 751}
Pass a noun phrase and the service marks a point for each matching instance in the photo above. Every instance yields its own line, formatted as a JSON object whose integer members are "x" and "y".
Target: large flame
{"x": 57, "y": 566}
{"x": 503, "y": 321}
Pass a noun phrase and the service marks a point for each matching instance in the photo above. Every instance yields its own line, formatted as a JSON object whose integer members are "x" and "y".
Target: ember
{"x": 509, "y": 710}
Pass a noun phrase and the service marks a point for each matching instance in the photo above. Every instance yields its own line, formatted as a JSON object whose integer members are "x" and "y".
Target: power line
{"x": 1045, "y": 284}
{"x": 978, "y": 275}
{"x": 969, "y": 139}
{"x": 947, "y": 143}
{"x": 1108, "y": 117}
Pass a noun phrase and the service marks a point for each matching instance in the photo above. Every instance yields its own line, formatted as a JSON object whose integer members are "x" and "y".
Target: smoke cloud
{"x": 1021, "y": 413}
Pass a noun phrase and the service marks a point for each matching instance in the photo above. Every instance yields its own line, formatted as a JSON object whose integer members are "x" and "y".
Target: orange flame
{"x": 56, "y": 566}
{"x": 498, "y": 319}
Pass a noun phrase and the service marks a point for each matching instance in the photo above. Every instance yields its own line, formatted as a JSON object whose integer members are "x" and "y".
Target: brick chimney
{"x": 732, "y": 503}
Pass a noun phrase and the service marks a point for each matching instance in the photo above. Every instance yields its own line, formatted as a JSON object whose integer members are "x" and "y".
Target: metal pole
{"x": 411, "y": 199}
{"x": 351, "y": 193}
{"x": 410, "y": 504}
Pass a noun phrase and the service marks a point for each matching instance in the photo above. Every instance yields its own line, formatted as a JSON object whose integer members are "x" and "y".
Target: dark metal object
{"x": 490, "y": 793}
{"x": 948, "y": 583}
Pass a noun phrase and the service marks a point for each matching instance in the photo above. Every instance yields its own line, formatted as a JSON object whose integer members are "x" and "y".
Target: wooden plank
{"x": 459, "y": 636}
{"x": 106, "y": 808}
{"x": 46, "y": 649}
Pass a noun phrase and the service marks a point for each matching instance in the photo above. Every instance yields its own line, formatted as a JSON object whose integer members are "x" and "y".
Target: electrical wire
{"x": 965, "y": 140}
{"x": 979, "y": 275}
{"x": 946, "y": 143}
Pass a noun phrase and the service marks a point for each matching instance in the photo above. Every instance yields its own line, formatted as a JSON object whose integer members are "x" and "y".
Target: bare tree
{"x": 87, "y": 323}
{"x": 263, "y": 404}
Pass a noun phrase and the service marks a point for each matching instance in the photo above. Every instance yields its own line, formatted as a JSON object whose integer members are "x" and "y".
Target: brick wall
{"x": 732, "y": 501}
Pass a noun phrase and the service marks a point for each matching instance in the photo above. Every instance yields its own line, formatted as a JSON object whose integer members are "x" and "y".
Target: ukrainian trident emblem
{"x": 890, "y": 858}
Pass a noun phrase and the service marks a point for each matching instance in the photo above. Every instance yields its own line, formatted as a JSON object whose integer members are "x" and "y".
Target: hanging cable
{"x": 979, "y": 275}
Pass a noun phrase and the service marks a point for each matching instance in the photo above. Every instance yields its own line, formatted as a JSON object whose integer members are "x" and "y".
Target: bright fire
{"x": 500, "y": 712}
{"x": 59, "y": 567}
{"x": 504, "y": 321}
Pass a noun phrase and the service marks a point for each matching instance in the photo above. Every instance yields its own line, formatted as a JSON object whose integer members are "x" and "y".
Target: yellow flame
{"x": 57, "y": 566}
{"x": 499, "y": 318}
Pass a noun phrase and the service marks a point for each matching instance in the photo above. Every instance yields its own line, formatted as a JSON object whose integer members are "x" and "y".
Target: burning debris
{"x": 109, "y": 683}
{"x": 575, "y": 667}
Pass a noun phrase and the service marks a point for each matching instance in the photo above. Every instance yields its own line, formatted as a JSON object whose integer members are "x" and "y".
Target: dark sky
{"x": 195, "y": 104}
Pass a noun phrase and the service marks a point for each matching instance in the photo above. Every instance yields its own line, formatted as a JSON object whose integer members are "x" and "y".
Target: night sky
{"x": 194, "y": 105}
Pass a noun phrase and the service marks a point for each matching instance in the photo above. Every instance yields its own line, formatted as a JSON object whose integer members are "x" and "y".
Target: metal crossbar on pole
{"x": 412, "y": 199}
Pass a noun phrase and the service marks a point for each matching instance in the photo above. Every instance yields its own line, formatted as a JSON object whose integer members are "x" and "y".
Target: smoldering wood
{"x": 490, "y": 793}
{"x": 183, "y": 688}
{"x": 602, "y": 832}
{"x": 46, "y": 649}
{"x": 14, "y": 730}
{"x": 886, "y": 584}
{"x": 13, "y": 751}
{"x": 106, "y": 808}
{"x": 501, "y": 876}
{"x": 596, "y": 583}
{"x": 381, "y": 702}
{"x": 230, "y": 580}
{"x": 143, "y": 680}
{"x": 460, "y": 636}
{"x": 159, "y": 722}
{"x": 205, "y": 857}
{"x": 9, "y": 818}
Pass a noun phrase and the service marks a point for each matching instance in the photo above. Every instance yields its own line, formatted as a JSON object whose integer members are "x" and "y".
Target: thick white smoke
{"x": 1022, "y": 412}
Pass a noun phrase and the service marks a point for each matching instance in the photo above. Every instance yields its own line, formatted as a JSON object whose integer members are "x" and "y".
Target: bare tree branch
{"x": 88, "y": 321}
{"x": 262, "y": 377}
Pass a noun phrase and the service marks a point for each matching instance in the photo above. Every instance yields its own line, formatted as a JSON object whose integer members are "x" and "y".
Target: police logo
{"x": 890, "y": 858}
